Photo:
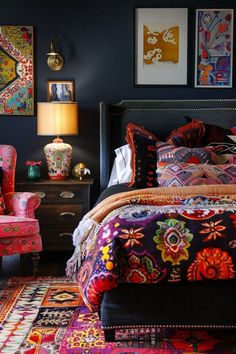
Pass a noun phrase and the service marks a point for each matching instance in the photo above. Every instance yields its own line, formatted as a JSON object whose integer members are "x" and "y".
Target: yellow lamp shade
{"x": 57, "y": 118}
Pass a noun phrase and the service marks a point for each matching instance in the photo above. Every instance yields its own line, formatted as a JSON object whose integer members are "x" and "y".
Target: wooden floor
{"x": 51, "y": 264}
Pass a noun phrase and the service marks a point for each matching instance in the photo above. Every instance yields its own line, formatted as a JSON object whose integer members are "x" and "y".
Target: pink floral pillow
{"x": 185, "y": 174}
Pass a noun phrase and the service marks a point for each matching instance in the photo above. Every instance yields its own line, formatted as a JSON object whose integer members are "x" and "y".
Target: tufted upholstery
{"x": 19, "y": 230}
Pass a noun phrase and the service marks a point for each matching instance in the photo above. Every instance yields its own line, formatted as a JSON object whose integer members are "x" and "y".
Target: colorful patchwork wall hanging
{"x": 16, "y": 70}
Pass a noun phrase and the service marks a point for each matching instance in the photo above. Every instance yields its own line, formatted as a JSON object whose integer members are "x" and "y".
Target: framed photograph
{"x": 62, "y": 90}
{"x": 16, "y": 71}
{"x": 214, "y": 48}
{"x": 161, "y": 36}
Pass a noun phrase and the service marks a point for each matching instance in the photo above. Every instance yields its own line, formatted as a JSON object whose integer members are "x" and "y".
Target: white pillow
{"x": 121, "y": 170}
{"x": 232, "y": 137}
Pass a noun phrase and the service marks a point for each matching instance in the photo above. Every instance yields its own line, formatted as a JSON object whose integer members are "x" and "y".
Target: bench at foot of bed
{"x": 179, "y": 305}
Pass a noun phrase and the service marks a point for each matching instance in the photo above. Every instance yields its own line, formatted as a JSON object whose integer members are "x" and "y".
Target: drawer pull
{"x": 41, "y": 194}
{"x": 65, "y": 234}
{"x": 65, "y": 213}
{"x": 67, "y": 195}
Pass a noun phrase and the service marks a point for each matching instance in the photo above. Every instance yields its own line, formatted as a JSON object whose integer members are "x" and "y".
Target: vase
{"x": 33, "y": 172}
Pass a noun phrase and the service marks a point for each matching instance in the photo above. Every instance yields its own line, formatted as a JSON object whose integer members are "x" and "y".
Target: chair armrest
{"x": 22, "y": 203}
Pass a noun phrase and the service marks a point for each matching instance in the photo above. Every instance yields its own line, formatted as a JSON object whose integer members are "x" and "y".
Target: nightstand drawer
{"x": 57, "y": 238}
{"x": 61, "y": 196}
{"x": 59, "y": 214}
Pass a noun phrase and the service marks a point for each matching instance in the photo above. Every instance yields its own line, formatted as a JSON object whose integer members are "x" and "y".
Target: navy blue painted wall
{"x": 98, "y": 47}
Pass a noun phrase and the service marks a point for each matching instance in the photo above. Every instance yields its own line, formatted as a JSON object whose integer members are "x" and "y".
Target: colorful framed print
{"x": 161, "y": 36}
{"x": 62, "y": 90}
{"x": 16, "y": 71}
{"x": 214, "y": 48}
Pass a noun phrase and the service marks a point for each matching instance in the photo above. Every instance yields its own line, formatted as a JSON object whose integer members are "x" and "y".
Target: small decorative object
{"x": 80, "y": 170}
{"x": 62, "y": 90}
{"x": 58, "y": 118}
{"x": 33, "y": 171}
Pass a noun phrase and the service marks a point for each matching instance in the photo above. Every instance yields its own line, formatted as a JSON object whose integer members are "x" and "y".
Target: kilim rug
{"x": 46, "y": 315}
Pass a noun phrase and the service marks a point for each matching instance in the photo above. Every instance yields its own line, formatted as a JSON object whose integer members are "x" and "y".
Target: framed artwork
{"x": 62, "y": 90}
{"x": 16, "y": 71}
{"x": 214, "y": 48}
{"x": 161, "y": 36}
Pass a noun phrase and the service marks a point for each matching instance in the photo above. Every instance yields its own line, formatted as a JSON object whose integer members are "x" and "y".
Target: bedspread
{"x": 160, "y": 234}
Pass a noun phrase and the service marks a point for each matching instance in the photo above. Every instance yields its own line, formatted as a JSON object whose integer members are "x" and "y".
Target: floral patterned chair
{"x": 19, "y": 229}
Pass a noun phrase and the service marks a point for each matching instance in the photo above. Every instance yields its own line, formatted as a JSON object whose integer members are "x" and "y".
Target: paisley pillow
{"x": 185, "y": 174}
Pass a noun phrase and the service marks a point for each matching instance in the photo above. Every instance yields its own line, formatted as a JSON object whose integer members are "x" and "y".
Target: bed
{"x": 124, "y": 297}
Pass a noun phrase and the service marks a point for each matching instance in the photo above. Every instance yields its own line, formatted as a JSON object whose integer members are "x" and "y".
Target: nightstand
{"x": 63, "y": 204}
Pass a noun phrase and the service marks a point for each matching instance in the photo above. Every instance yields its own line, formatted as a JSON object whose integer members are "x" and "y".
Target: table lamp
{"x": 57, "y": 118}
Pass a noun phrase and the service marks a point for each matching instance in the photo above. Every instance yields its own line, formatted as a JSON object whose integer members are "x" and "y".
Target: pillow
{"x": 232, "y": 138}
{"x": 121, "y": 170}
{"x": 223, "y": 148}
{"x": 225, "y": 158}
{"x": 184, "y": 174}
{"x": 2, "y": 206}
{"x": 170, "y": 153}
{"x": 214, "y": 133}
{"x": 189, "y": 134}
{"x": 233, "y": 130}
{"x": 143, "y": 156}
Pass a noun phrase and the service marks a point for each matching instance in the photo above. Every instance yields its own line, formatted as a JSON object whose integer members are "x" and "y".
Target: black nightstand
{"x": 63, "y": 204}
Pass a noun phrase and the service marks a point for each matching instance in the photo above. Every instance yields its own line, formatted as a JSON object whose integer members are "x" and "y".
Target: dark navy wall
{"x": 98, "y": 47}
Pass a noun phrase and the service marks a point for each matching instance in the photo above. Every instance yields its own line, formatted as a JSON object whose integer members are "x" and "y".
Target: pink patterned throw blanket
{"x": 154, "y": 235}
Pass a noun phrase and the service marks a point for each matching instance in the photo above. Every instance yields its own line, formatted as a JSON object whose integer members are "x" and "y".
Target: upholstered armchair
{"x": 19, "y": 229}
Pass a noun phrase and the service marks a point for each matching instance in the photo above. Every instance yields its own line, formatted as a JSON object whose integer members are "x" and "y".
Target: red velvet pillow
{"x": 142, "y": 143}
{"x": 189, "y": 135}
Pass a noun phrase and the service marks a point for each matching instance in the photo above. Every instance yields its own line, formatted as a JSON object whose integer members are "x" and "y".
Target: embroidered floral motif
{"x": 172, "y": 240}
{"x": 213, "y": 229}
{"x": 194, "y": 341}
{"x": 211, "y": 263}
{"x": 132, "y": 237}
{"x": 142, "y": 269}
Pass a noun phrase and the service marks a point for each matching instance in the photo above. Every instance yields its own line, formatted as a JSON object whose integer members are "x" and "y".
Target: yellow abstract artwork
{"x": 160, "y": 46}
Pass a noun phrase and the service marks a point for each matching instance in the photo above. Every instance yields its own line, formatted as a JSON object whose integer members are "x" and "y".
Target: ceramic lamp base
{"x": 58, "y": 155}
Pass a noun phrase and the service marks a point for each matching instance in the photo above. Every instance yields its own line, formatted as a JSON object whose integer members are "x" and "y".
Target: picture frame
{"x": 17, "y": 70}
{"x": 161, "y": 41}
{"x": 60, "y": 90}
{"x": 214, "y": 48}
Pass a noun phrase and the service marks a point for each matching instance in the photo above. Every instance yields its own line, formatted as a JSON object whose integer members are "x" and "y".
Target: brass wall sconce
{"x": 55, "y": 59}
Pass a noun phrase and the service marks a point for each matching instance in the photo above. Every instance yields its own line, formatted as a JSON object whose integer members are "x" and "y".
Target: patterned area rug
{"x": 46, "y": 315}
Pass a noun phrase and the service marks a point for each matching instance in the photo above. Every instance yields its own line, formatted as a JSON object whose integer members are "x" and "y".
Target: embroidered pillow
{"x": 184, "y": 174}
{"x": 189, "y": 135}
{"x": 2, "y": 206}
{"x": 142, "y": 143}
{"x": 170, "y": 153}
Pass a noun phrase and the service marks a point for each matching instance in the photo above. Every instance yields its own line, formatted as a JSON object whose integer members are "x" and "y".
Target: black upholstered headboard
{"x": 159, "y": 116}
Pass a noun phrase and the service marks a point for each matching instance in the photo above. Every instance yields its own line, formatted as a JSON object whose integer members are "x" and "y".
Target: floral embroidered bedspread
{"x": 188, "y": 239}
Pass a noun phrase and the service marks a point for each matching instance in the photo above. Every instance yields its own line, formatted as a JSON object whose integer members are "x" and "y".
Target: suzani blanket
{"x": 153, "y": 235}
